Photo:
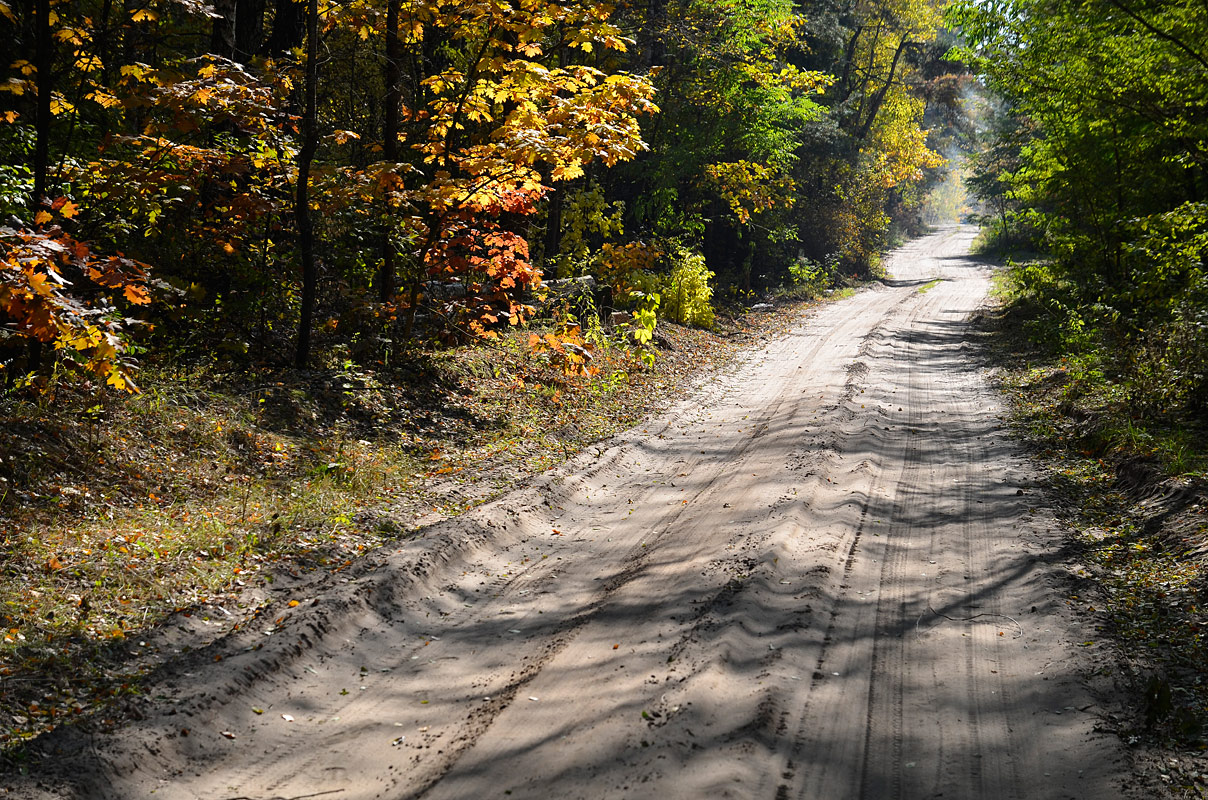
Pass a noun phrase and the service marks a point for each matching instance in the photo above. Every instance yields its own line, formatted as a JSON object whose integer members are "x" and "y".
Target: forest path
{"x": 823, "y": 576}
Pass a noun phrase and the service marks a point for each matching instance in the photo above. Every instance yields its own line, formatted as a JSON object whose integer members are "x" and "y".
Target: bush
{"x": 686, "y": 293}
{"x": 810, "y": 277}
{"x": 1170, "y": 368}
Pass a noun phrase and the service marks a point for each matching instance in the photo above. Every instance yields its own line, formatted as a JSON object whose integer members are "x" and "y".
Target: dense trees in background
{"x": 1097, "y": 152}
{"x": 243, "y": 176}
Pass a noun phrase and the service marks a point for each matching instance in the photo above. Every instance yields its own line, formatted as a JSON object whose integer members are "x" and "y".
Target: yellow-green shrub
{"x": 686, "y": 293}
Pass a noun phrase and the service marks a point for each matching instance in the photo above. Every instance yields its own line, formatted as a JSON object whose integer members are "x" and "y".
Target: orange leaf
{"x": 137, "y": 295}
{"x": 42, "y": 217}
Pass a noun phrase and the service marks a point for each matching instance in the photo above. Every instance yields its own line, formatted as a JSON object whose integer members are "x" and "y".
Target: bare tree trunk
{"x": 249, "y": 29}
{"x": 43, "y": 59}
{"x": 310, "y": 143}
{"x": 288, "y": 27}
{"x": 394, "y": 98}
{"x": 222, "y": 34}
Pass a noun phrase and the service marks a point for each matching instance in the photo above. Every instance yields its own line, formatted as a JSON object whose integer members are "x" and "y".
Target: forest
{"x": 249, "y": 178}
{"x": 1096, "y": 154}
{"x": 270, "y": 266}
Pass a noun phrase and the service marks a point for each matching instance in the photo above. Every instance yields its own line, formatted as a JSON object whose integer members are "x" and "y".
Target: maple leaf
{"x": 65, "y": 207}
{"x": 137, "y": 295}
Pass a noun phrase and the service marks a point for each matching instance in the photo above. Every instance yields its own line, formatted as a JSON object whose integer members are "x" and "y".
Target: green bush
{"x": 1170, "y": 368}
{"x": 811, "y": 277}
{"x": 686, "y": 292}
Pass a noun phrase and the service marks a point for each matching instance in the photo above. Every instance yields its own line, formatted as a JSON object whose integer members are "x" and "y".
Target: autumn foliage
{"x": 411, "y": 170}
{"x": 55, "y": 290}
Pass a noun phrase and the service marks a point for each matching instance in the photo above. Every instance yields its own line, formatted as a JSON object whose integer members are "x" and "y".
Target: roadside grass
{"x": 1131, "y": 487}
{"x": 117, "y": 513}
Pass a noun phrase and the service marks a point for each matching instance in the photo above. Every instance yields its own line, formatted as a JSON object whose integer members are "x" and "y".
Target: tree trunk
{"x": 310, "y": 143}
{"x": 249, "y": 29}
{"x": 553, "y": 230}
{"x": 394, "y": 98}
{"x": 879, "y": 97}
{"x": 222, "y": 34}
{"x": 43, "y": 59}
{"x": 289, "y": 24}
{"x": 849, "y": 55}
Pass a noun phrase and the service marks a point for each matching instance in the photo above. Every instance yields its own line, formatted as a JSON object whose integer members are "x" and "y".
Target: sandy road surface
{"x": 817, "y": 579}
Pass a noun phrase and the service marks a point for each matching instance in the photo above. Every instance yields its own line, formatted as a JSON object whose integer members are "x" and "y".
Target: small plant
{"x": 813, "y": 277}
{"x": 566, "y": 349}
{"x": 687, "y": 290}
{"x": 642, "y": 327}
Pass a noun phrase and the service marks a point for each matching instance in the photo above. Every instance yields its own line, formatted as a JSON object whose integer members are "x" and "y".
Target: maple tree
{"x": 56, "y": 290}
{"x": 493, "y": 130}
{"x": 391, "y": 169}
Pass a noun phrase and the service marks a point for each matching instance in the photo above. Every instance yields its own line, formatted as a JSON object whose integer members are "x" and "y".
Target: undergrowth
{"x": 1132, "y": 480}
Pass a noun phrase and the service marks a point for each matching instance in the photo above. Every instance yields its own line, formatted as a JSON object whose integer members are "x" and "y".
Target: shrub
{"x": 686, "y": 293}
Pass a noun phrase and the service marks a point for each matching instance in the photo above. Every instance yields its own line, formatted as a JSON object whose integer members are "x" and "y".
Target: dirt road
{"x": 821, "y": 577}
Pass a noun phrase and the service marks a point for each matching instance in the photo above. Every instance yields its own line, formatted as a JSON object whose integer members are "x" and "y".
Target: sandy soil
{"x": 823, "y": 576}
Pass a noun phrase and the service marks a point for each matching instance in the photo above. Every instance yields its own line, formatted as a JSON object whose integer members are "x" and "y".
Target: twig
{"x": 295, "y": 797}
{"x": 919, "y": 621}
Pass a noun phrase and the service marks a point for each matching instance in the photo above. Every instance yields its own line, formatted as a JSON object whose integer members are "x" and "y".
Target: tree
{"x": 1110, "y": 167}
{"x": 306, "y": 156}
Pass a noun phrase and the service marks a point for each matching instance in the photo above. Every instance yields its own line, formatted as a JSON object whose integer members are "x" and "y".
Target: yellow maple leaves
{"x": 40, "y": 302}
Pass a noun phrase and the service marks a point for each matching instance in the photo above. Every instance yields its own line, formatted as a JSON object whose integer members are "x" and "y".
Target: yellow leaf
{"x": 144, "y": 15}
{"x": 42, "y": 217}
{"x": 103, "y": 99}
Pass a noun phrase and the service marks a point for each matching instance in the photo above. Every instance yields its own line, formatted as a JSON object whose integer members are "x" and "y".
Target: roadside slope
{"x": 822, "y": 576}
